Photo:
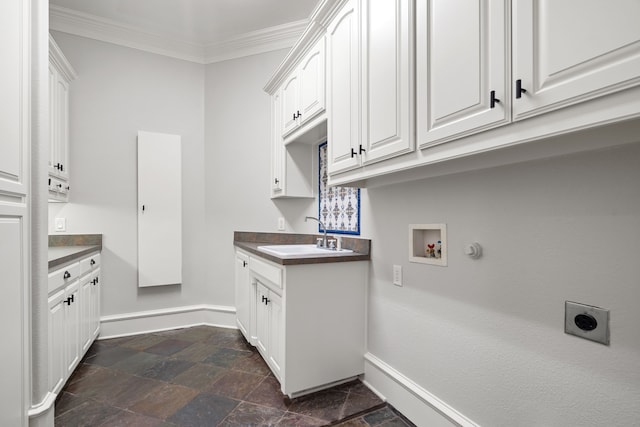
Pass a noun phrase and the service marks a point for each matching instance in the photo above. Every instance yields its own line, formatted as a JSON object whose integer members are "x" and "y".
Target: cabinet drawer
{"x": 272, "y": 273}
{"x": 90, "y": 263}
{"x": 63, "y": 276}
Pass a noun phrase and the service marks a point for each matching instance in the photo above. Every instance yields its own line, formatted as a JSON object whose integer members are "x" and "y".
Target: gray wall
{"x": 118, "y": 92}
{"x": 486, "y": 336}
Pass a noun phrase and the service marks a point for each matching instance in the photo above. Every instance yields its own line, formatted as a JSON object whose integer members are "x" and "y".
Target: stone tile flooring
{"x": 201, "y": 376}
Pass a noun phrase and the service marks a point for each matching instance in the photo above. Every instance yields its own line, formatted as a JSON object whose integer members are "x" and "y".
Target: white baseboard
{"x": 165, "y": 319}
{"x": 413, "y": 401}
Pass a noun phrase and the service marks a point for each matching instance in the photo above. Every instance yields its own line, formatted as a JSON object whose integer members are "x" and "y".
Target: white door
{"x": 312, "y": 83}
{"x": 277, "y": 145}
{"x": 262, "y": 320}
{"x": 243, "y": 295}
{"x": 573, "y": 50}
{"x": 462, "y": 68}
{"x": 276, "y": 333}
{"x": 85, "y": 303}
{"x": 343, "y": 124}
{"x": 387, "y": 79}
{"x": 159, "y": 209}
{"x": 57, "y": 348}
{"x": 15, "y": 82}
{"x": 290, "y": 107}
{"x": 95, "y": 305}
{"x": 72, "y": 326}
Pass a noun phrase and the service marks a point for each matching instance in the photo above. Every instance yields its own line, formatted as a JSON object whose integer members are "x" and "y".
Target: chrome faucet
{"x": 324, "y": 239}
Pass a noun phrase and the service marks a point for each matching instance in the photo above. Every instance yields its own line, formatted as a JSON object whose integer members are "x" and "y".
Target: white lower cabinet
{"x": 74, "y": 317}
{"x": 295, "y": 314}
{"x": 269, "y": 327}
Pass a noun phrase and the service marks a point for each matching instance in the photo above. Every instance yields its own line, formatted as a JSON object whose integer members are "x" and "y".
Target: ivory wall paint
{"x": 118, "y": 92}
{"x": 487, "y": 336}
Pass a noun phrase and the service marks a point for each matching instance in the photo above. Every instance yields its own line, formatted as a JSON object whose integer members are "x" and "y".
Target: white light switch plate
{"x": 397, "y": 275}
{"x": 281, "y": 224}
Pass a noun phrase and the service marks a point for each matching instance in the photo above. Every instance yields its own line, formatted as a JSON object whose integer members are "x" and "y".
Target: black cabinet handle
{"x": 263, "y": 298}
{"x": 267, "y": 301}
{"x": 519, "y": 89}
{"x": 362, "y": 150}
{"x": 298, "y": 114}
{"x": 276, "y": 180}
{"x": 493, "y": 99}
{"x": 68, "y": 301}
{"x": 66, "y": 275}
{"x": 294, "y": 116}
{"x": 244, "y": 263}
{"x": 93, "y": 262}
{"x": 353, "y": 153}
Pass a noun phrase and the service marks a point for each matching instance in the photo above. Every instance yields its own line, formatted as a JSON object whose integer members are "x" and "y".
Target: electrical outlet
{"x": 397, "y": 275}
{"x": 586, "y": 321}
{"x": 281, "y": 224}
{"x": 61, "y": 224}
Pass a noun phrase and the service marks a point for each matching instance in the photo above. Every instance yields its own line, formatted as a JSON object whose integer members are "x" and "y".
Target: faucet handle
{"x": 319, "y": 242}
{"x": 332, "y": 244}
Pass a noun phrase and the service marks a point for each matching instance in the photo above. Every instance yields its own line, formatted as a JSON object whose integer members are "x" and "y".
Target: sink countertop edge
{"x": 249, "y": 241}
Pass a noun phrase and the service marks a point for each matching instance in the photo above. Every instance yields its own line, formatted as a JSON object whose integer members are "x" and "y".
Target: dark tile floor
{"x": 201, "y": 376}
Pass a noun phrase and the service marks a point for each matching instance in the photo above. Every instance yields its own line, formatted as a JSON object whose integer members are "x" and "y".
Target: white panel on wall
{"x": 159, "y": 209}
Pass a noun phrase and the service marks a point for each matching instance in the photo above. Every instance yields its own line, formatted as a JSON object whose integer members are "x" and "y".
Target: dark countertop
{"x": 249, "y": 241}
{"x": 65, "y": 249}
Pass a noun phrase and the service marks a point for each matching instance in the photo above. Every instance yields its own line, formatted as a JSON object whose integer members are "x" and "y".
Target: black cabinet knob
{"x": 353, "y": 152}
{"x": 66, "y": 275}
{"x": 362, "y": 150}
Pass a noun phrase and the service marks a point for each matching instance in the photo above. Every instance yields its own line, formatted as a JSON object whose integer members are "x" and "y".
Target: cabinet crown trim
{"x": 320, "y": 17}
{"x": 57, "y": 57}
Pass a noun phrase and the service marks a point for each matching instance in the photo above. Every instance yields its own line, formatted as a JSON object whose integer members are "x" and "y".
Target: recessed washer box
{"x": 586, "y": 321}
{"x": 428, "y": 244}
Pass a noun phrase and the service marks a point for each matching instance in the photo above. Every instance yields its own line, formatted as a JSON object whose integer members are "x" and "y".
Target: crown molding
{"x": 86, "y": 25}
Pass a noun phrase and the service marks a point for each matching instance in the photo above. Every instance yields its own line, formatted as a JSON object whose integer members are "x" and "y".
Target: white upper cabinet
{"x": 277, "y": 145}
{"x": 461, "y": 68}
{"x": 343, "y": 109}
{"x": 312, "y": 83}
{"x": 303, "y": 92}
{"x": 60, "y": 76}
{"x": 570, "y": 51}
{"x": 387, "y": 95}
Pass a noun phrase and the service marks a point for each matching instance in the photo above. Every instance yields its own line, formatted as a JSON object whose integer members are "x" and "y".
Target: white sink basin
{"x": 300, "y": 251}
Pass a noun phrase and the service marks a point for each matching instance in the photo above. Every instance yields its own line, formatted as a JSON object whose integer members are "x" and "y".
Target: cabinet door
{"x": 276, "y": 333}
{"x": 243, "y": 295}
{"x": 15, "y": 205}
{"x": 312, "y": 83}
{"x": 570, "y": 51}
{"x": 85, "y": 308}
{"x": 95, "y": 306}
{"x": 387, "y": 78}
{"x": 72, "y": 327}
{"x": 343, "y": 126}
{"x": 290, "y": 107}
{"x": 57, "y": 359}
{"x": 262, "y": 320}
{"x": 277, "y": 145}
{"x": 461, "y": 59}
{"x": 53, "y": 121}
{"x": 62, "y": 154}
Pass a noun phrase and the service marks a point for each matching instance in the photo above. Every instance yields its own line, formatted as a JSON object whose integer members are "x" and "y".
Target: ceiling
{"x": 182, "y": 24}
